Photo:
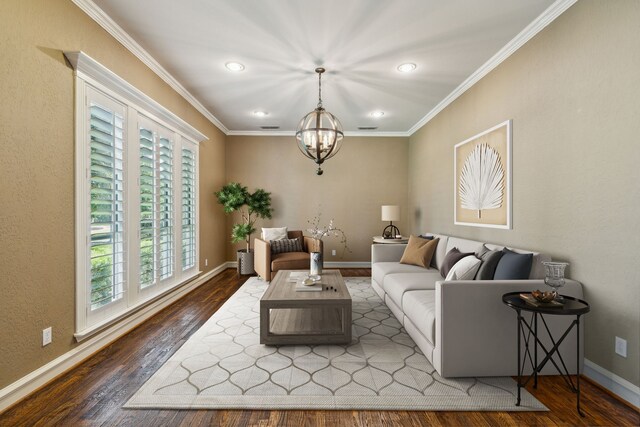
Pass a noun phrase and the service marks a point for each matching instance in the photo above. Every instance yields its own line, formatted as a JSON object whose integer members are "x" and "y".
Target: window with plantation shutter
{"x": 188, "y": 209}
{"x": 136, "y": 207}
{"x": 107, "y": 248}
{"x": 156, "y": 205}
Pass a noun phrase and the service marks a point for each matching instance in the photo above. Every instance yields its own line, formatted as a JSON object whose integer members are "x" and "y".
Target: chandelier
{"x": 319, "y": 133}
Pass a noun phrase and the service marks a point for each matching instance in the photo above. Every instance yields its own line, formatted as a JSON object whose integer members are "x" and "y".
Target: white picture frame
{"x": 477, "y": 201}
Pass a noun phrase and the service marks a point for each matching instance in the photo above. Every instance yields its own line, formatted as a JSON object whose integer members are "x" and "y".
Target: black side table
{"x": 572, "y": 307}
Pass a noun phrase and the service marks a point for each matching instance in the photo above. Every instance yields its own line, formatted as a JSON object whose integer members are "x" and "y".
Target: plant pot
{"x": 245, "y": 262}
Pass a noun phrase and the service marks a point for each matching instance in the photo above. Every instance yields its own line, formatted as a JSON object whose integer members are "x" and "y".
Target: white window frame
{"x": 91, "y": 76}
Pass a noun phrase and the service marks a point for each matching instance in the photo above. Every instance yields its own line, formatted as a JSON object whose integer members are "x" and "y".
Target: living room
{"x": 563, "y": 86}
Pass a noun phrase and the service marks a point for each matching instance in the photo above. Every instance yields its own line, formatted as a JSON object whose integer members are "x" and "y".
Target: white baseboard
{"x": 347, "y": 264}
{"x": 327, "y": 264}
{"x": 612, "y": 382}
{"x": 29, "y": 383}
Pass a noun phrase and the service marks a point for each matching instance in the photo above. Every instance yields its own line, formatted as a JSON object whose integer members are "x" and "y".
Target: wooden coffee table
{"x": 288, "y": 316}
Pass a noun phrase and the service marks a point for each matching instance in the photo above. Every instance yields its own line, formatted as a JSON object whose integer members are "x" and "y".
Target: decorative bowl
{"x": 546, "y": 296}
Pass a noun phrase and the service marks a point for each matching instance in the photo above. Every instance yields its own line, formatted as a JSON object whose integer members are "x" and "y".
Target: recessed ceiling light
{"x": 377, "y": 114}
{"x": 406, "y": 68}
{"x": 234, "y": 66}
{"x": 260, "y": 113}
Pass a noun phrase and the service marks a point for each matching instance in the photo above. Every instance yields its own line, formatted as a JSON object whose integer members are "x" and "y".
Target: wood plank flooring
{"x": 92, "y": 394}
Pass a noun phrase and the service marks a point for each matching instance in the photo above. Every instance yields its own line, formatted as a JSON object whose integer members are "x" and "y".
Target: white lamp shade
{"x": 390, "y": 213}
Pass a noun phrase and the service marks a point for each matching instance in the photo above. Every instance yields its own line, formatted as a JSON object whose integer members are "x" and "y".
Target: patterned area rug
{"x": 223, "y": 365}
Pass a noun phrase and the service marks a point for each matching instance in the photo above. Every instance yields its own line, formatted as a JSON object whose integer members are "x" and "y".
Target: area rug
{"x": 223, "y": 366}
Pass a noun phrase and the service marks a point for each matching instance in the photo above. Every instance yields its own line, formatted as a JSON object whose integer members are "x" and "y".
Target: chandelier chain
{"x": 319, "y": 90}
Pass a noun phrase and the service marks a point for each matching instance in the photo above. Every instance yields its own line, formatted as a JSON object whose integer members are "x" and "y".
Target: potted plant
{"x": 236, "y": 197}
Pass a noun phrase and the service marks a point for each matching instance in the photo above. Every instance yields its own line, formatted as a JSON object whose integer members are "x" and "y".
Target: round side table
{"x": 380, "y": 239}
{"x": 527, "y": 330}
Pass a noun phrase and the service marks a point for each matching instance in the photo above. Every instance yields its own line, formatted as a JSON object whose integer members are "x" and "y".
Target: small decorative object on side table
{"x": 554, "y": 276}
{"x": 569, "y": 307}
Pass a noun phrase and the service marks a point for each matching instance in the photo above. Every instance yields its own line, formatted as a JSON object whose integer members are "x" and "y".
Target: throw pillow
{"x": 270, "y": 234}
{"x": 465, "y": 269}
{"x": 513, "y": 266}
{"x": 490, "y": 261}
{"x": 419, "y": 251}
{"x": 426, "y": 236}
{"x": 285, "y": 245}
{"x": 453, "y": 256}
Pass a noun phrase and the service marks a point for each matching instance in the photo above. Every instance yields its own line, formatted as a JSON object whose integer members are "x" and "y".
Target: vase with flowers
{"x": 319, "y": 232}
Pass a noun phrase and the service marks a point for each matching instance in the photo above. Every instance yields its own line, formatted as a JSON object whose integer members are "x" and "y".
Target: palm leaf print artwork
{"x": 482, "y": 180}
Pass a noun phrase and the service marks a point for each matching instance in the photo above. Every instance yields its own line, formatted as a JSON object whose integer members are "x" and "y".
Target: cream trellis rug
{"x": 223, "y": 365}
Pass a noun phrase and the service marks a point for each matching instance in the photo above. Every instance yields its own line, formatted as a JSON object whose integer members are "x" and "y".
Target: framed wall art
{"x": 482, "y": 180}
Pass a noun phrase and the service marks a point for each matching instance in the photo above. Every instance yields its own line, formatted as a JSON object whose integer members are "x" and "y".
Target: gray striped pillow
{"x": 286, "y": 245}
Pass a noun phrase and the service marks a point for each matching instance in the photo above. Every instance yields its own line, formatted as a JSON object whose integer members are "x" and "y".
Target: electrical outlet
{"x": 333, "y": 252}
{"x": 621, "y": 347}
{"x": 46, "y": 336}
{"x": 206, "y": 262}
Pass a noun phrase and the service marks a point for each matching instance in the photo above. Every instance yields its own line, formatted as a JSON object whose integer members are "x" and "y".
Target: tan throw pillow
{"x": 419, "y": 251}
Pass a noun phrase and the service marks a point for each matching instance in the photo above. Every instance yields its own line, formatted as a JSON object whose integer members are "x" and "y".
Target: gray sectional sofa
{"x": 463, "y": 327}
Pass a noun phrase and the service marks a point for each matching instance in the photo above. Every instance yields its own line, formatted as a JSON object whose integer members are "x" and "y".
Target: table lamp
{"x": 390, "y": 213}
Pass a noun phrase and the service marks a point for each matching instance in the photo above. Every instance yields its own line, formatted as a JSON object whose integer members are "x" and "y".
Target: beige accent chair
{"x": 266, "y": 264}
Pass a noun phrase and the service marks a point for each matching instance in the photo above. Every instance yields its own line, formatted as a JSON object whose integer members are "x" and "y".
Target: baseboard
{"x": 347, "y": 264}
{"x": 327, "y": 264}
{"x": 612, "y": 382}
{"x": 26, "y": 385}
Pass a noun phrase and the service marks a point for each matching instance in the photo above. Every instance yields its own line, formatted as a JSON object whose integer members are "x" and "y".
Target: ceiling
{"x": 359, "y": 42}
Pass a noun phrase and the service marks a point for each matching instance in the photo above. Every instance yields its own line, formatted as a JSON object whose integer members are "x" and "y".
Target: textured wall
{"x": 366, "y": 174}
{"x": 36, "y": 172}
{"x": 573, "y": 94}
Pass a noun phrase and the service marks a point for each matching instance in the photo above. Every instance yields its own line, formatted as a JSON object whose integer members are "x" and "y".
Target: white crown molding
{"x": 98, "y": 15}
{"x": 26, "y": 385}
{"x": 90, "y": 70}
{"x": 548, "y": 16}
{"x": 292, "y": 133}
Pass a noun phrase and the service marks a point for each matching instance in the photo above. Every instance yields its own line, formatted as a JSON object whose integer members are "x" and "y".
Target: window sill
{"x": 136, "y": 309}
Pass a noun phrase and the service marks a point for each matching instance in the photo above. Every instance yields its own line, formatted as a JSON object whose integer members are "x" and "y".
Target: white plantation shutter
{"x": 156, "y": 204}
{"x": 136, "y": 209}
{"x": 188, "y": 208}
{"x": 106, "y": 186}
{"x": 147, "y": 209}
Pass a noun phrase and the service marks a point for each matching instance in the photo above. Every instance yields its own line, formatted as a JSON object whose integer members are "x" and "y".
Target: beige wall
{"x": 573, "y": 95}
{"x": 365, "y": 174}
{"x": 36, "y": 172}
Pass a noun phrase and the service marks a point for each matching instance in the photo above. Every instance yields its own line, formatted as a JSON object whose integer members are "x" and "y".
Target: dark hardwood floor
{"x": 92, "y": 394}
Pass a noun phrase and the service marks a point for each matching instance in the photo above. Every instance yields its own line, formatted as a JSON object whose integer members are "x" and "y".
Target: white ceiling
{"x": 359, "y": 42}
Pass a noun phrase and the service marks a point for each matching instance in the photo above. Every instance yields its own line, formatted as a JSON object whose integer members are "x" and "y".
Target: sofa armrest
{"x": 262, "y": 258}
{"x": 387, "y": 253}
{"x": 476, "y": 331}
{"x": 313, "y": 245}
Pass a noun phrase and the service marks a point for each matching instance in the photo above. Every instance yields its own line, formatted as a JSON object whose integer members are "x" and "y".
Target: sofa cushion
{"x": 380, "y": 269}
{"x": 395, "y": 285}
{"x": 290, "y": 261}
{"x": 513, "y": 266}
{"x": 419, "y": 251}
{"x": 453, "y": 256}
{"x": 286, "y": 245}
{"x": 420, "y": 308}
{"x": 465, "y": 269}
{"x": 489, "y": 262}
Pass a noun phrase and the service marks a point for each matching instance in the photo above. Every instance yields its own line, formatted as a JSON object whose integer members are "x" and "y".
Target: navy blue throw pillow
{"x": 513, "y": 266}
